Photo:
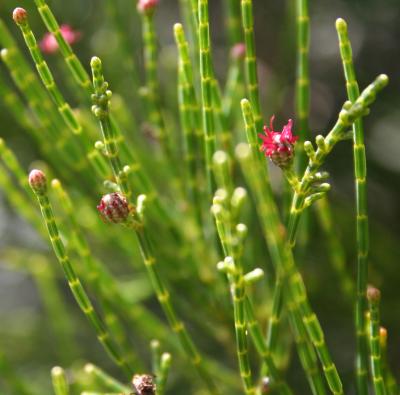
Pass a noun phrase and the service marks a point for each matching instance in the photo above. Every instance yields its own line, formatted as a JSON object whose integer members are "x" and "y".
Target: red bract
{"x": 49, "y": 44}
{"x": 279, "y": 146}
{"x": 114, "y": 207}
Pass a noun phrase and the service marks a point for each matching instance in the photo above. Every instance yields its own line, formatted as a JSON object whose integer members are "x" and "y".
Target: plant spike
{"x": 38, "y": 183}
{"x": 378, "y": 381}
{"x": 360, "y": 174}
{"x": 390, "y": 381}
{"x": 250, "y": 61}
{"x": 207, "y": 76}
{"x": 59, "y": 379}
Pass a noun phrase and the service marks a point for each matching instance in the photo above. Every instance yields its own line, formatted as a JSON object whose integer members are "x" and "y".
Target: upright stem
{"x": 250, "y": 61}
{"x": 206, "y": 91}
{"x": 360, "y": 173}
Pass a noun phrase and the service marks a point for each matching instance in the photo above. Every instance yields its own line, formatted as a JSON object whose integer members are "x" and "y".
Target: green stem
{"x": 360, "y": 174}
{"x": 76, "y": 287}
{"x": 105, "y": 379}
{"x": 206, "y": 72}
{"x": 251, "y": 61}
{"x": 59, "y": 379}
{"x": 374, "y": 342}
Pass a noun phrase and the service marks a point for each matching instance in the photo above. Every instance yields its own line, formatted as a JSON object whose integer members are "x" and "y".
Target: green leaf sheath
{"x": 77, "y": 289}
{"x": 375, "y": 344}
{"x": 302, "y": 80}
{"x": 59, "y": 380}
{"x": 360, "y": 175}
{"x": 349, "y": 114}
{"x": 206, "y": 74}
{"x": 250, "y": 61}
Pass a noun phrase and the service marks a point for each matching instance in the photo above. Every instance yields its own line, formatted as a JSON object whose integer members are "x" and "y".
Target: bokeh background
{"x": 25, "y": 335}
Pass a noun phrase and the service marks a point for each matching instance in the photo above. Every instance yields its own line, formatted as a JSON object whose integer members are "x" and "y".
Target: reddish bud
{"x": 114, "y": 207}
{"x": 279, "y": 147}
{"x": 373, "y": 294}
{"x": 143, "y": 384}
{"x": 49, "y": 44}
{"x": 38, "y": 182}
{"x": 146, "y": 6}
{"x": 20, "y": 15}
{"x": 238, "y": 51}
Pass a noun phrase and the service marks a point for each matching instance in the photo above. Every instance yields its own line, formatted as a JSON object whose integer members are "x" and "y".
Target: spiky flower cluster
{"x": 114, "y": 208}
{"x": 279, "y": 146}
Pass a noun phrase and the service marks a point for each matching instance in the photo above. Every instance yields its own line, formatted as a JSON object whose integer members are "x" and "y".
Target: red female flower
{"x": 49, "y": 44}
{"x": 279, "y": 147}
{"x": 146, "y": 6}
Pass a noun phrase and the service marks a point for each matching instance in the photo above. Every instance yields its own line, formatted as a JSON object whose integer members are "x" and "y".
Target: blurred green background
{"x": 375, "y": 33}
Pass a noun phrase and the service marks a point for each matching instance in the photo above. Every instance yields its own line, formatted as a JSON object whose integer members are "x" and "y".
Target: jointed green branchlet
{"x": 360, "y": 174}
{"x": 161, "y": 363}
{"x": 390, "y": 381}
{"x": 152, "y": 84}
{"x": 38, "y": 184}
{"x": 250, "y": 61}
{"x": 59, "y": 379}
{"x": 233, "y": 22}
{"x": 207, "y": 75}
{"x": 378, "y": 381}
{"x": 303, "y": 79}
{"x": 349, "y": 114}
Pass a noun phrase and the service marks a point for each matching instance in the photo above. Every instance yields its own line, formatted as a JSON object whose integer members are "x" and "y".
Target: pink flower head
{"x": 146, "y": 6}
{"x": 114, "y": 208}
{"x": 279, "y": 147}
{"x": 49, "y": 44}
{"x": 238, "y": 51}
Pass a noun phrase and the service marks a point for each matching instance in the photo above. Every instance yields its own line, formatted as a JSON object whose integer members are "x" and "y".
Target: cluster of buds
{"x": 279, "y": 146}
{"x": 49, "y": 44}
{"x": 114, "y": 208}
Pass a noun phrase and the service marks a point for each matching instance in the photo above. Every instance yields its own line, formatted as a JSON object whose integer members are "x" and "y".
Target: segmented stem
{"x": 76, "y": 287}
{"x": 360, "y": 174}
{"x": 302, "y": 80}
{"x": 251, "y": 61}
{"x": 152, "y": 84}
{"x": 349, "y": 114}
{"x": 206, "y": 72}
{"x": 390, "y": 381}
{"x": 374, "y": 342}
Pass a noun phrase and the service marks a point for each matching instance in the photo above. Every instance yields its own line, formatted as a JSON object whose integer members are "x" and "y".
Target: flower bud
{"x": 20, "y": 15}
{"x": 143, "y": 384}
{"x": 114, "y": 207}
{"x": 373, "y": 294}
{"x": 38, "y": 182}
{"x": 146, "y": 6}
{"x": 238, "y": 51}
